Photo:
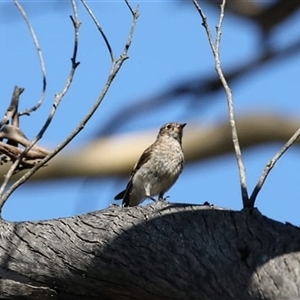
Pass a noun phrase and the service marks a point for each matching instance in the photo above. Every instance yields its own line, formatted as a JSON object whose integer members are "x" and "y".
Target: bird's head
{"x": 173, "y": 130}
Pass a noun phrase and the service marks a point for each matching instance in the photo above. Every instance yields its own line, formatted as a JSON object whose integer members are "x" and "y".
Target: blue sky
{"x": 169, "y": 45}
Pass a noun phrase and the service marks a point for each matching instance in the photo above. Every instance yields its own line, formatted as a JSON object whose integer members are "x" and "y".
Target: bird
{"x": 158, "y": 167}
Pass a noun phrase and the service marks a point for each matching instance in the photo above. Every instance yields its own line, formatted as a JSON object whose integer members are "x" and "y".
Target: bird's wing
{"x": 143, "y": 159}
{"x": 125, "y": 195}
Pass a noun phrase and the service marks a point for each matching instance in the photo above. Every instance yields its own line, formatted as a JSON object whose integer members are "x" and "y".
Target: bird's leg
{"x": 151, "y": 198}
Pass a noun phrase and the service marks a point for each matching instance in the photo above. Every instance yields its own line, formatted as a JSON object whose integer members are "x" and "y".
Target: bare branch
{"x": 15, "y": 134}
{"x": 41, "y": 59}
{"x": 205, "y": 25}
{"x": 57, "y": 100}
{"x": 100, "y": 30}
{"x": 215, "y": 46}
{"x": 135, "y": 15}
{"x": 116, "y": 65}
{"x": 14, "y": 152}
{"x": 130, "y": 8}
{"x": 76, "y": 25}
{"x": 21, "y": 160}
{"x": 270, "y": 166}
{"x": 238, "y": 153}
{"x": 219, "y": 28}
{"x": 12, "y": 110}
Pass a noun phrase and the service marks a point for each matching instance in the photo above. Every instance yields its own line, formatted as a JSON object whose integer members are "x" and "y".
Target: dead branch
{"x": 11, "y": 112}
{"x": 270, "y": 165}
{"x": 14, "y": 135}
{"x": 116, "y": 65}
{"x": 57, "y": 100}
{"x": 215, "y": 46}
{"x": 108, "y": 46}
{"x": 41, "y": 60}
{"x": 209, "y": 253}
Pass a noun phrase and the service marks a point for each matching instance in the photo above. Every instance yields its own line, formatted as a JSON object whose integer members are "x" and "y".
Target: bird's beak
{"x": 182, "y": 125}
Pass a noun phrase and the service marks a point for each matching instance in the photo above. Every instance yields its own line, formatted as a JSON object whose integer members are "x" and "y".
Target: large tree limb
{"x": 161, "y": 251}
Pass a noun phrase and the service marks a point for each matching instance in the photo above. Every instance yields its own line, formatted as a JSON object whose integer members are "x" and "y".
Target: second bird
{"x": 157, "y": 169}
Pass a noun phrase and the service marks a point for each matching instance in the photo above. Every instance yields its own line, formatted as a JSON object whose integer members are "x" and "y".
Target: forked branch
{"x": 12, "y": 110}
{"x": 56, "y": 102}
{"x": 10, "y": 151}
{"x": 115, "y": 67}
{"x": 215, "y": 46}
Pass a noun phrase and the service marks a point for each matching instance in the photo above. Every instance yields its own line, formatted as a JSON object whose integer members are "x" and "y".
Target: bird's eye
{"x": 169, "y": 126}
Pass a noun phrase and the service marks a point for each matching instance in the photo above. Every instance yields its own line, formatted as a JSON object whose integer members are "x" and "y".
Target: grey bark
{"x": 158, "y": 252}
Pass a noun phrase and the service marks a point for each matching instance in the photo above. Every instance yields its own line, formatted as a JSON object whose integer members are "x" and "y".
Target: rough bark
{"x": 160, "y": 251}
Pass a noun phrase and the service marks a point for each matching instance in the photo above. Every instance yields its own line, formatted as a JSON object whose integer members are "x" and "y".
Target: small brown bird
{"x": 157, "y": 169}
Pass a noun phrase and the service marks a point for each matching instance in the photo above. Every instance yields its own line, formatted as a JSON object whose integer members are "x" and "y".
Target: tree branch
{"x": 109, "y": 48}
{"x": 12, "y": 110}
{"x": 116, "y": 65}
{"x": 41, "y": 60}
{"x": 215, "y": 46}
{"x": 122, "y": 253}
{"x": 57, "y": 100}
{"x": 271, "y": 164}
{"x": 15, "y": 136}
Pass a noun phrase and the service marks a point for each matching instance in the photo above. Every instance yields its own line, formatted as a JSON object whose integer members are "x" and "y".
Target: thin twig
{"x": 57, "y": 100}
{"x": 100, "y": 30}
{"x": 205, "y": 25}
{"x": 135, "y": 15}
{"x": 11, "y": 112}
{"x": 219, "y": 28}
{"x": 76, "y": 25}
{"x": 41, "y": 60}
{"x": 116, "y": 65}
{"x": 130, "y": 8}
{"x": 270, "y": 166}
{"x": 12, "y": 109}
{"x": 215, "y": 46}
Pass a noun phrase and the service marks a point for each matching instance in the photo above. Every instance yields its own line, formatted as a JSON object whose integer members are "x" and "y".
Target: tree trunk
{"x": 157, "y": 252}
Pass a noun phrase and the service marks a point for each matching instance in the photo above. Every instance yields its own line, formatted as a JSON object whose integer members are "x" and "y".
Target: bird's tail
{"x": 120, "y": 195}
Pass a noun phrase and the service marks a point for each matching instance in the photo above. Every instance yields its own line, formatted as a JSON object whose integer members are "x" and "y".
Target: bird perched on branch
{"x": 157, "y": 169}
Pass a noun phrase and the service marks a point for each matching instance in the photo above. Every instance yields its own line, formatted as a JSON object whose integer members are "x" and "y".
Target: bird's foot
{"x": 161, "y": 198}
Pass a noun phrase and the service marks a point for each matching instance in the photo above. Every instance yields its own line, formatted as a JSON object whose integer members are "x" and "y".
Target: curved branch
{"x": 271, "y": 164}
{"x": 41, "y": 59}
{"x": 90, "y": 12}
{"x": 116, "y": 66}
{"x": 158, "y": 252}
{"x": 57, "y": 100}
